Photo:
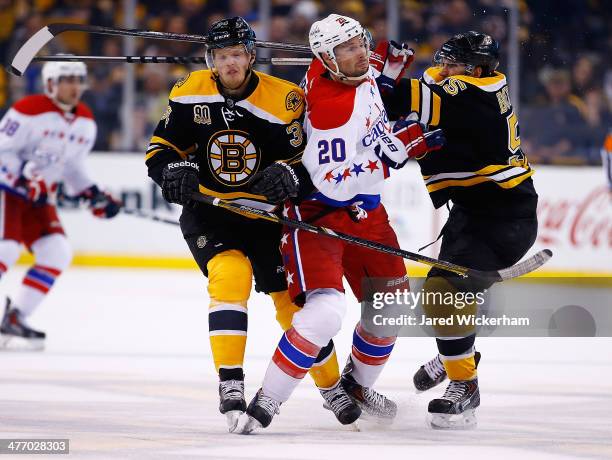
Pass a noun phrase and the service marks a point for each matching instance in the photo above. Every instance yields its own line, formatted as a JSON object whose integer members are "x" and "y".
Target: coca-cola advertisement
{"x": 575, "y": 218}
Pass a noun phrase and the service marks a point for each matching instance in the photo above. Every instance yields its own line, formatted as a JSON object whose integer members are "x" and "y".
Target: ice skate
{"x": 374, "y": 405}
{"x": 342, "y": 405}
{"x": 232, "y": 402}
{"x": 260, "y": 412}
{"x": 432, "y": 373}
{"x": 16, "y": 334}
{"x": 456, "y": 410}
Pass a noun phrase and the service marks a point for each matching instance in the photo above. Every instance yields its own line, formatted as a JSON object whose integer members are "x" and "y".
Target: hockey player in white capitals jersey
{"x": 44, "y": 140}
{"x": 348, "y": 155}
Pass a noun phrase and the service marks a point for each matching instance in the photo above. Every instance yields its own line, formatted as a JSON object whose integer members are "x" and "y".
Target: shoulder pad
{"x": 36, "y": 104}
{"x": 198, "y": 83}
{"x": 280, "y": 98}
{"x": 330, "y": 104}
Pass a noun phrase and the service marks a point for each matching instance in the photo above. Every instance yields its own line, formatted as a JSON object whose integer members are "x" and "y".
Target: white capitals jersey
{"x": 38, "y": 138}
{"x": 345, "y": 126}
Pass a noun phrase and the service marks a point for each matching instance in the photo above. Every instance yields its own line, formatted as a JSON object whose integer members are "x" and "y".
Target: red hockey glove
{"x": 33, "y": 188}
{"x": 392, "y": 61}
{"x": 418, "y": 142}
{"x": 102, "y": 204}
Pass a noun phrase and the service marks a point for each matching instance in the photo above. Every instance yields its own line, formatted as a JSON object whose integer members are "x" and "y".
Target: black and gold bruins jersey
{"x": 481, "y": 166}
{"x": 231, "y": 140}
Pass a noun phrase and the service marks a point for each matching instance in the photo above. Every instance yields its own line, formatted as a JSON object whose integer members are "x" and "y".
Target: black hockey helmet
{"x": 474, "y": 49}
{"x": 230, "y": 32}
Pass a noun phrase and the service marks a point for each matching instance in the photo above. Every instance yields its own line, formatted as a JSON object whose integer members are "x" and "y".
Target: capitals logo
{"x": 379, "y": 128}
{"x": 232, "y": 157}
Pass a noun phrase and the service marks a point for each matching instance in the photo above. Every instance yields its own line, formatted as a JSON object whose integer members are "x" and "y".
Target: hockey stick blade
{"x": 28, "y": 50}
{"x": 520, "y": 269}
{"x": 527, "y": 266}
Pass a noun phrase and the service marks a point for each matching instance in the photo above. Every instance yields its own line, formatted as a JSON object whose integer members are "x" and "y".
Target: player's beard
{"x": 233, "y": 80}
{"x": 359, "y": 69}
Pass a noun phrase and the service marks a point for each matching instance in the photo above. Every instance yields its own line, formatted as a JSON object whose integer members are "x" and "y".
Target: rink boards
{"x": 575, "y": 215}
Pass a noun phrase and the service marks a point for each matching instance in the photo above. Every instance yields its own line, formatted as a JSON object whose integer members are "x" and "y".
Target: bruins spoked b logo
{"x": 232, "y": 157}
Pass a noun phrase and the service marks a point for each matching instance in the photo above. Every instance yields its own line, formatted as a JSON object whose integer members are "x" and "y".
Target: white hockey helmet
{"x": 331, "y": 31}
{"x": 56, "y": 69}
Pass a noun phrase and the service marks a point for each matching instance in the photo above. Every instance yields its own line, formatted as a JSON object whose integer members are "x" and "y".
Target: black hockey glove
{"x": 179, "y": 181}
{"x": 277, "y": 183}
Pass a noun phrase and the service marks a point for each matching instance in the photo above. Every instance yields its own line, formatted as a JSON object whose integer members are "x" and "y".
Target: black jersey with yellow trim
{"x": 230, "y": 139}
{"x": 481, "y": 166}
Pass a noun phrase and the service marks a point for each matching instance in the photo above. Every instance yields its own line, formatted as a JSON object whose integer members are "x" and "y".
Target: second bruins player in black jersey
{"x": 223, "y": 127}
{"x": 483, "y": 172}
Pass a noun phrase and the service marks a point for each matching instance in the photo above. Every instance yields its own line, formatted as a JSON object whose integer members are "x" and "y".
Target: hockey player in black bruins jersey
{"x": 483, "y": 172}
{"x": 224, "y": 130}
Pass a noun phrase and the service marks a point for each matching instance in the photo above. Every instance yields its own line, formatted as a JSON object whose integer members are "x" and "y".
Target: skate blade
{"x": 465, "y": 421}
{"x": 251, "y": 424}
{"x": 375, "y": 418}
{"x": 232, "y": 418}
{"x": 384, "y": 421}
{"x": 15, "y": 343}
{"x": 353, "y": 426}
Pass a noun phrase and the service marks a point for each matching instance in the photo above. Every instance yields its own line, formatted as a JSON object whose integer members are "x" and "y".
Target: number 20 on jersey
{"x": 333, "y": 150}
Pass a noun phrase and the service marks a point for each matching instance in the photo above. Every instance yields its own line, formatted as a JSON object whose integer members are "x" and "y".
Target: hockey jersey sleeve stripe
{"x": 415, "y": 95}
{"x": 436, "y": 106}
{"x": 164, "y": 142}
{"x": 425, "y": 104}
{"x": 486, "y": 171}
{"x": 294, "y": 159}
{"x": 506, "y": 179}
{"x": 152, "y": 153}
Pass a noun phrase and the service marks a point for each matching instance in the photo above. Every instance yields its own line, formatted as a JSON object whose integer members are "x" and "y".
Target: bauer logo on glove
{"x": 417, "y": 140}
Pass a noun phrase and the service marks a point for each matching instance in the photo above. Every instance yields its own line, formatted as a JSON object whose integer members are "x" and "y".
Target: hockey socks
{"x": 325, "y": 371}
{"x": 369, "y": 355}
{"x": 292, "y": 359}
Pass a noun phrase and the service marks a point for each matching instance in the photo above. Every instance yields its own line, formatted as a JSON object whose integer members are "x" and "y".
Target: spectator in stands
{"x": 553, "y": 132}
{"x": 578, "y": 39}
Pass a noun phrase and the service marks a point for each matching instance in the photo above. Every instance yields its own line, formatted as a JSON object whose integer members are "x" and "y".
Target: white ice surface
{"x": 127, "y": 373}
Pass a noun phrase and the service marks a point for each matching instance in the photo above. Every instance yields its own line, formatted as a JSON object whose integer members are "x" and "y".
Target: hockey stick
{"x": 529, "y": 265}
{"x": 146, "y": 215}
{"x": 36, "y": 42}
{"x": 163, "y": 59}
{"x": 80, "y": 203}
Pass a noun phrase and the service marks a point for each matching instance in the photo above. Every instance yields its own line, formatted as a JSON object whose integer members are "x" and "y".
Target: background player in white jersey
{"x": 348, "y": 155}
{"x": 44, "y": 140}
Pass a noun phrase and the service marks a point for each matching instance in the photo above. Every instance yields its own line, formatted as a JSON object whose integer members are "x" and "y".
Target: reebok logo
{"x": 291, "y": 171}
{"x": 180, "y": 164}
